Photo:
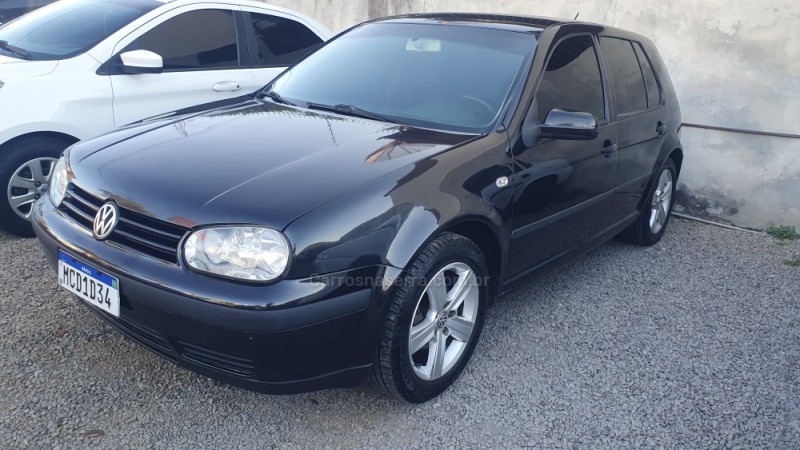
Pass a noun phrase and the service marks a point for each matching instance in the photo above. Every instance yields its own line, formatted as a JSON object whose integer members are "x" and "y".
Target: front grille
{"x": 239, "y": 366}
{"x": 135, "y": 231}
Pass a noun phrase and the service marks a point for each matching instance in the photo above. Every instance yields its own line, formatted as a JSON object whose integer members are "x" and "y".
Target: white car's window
{"x": 281, "y": 41}
{"x": 69, "y": 27}
{"x": 201, "y": 39}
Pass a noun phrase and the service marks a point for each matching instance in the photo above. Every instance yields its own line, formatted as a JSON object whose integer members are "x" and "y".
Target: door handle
{"x": 661, "y": 128}
{"x": 226, "y": 86}
{"x": 608, "y": 149}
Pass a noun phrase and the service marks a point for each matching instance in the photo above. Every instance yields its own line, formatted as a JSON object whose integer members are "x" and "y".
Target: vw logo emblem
{"x": 105, "y": 221}
{"x": 442, "y": 320}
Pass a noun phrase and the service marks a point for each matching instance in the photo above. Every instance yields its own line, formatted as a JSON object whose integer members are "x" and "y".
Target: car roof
{"x": 530, "y": 23}
{"x": 252, "y": 3}
{"x": 318, "y": 26}
{"x": 503, "y": 21}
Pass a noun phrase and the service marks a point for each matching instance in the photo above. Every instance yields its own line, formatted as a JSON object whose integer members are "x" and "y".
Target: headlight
{"x": 241, "y": 252}
{"x": 58, "y": 182}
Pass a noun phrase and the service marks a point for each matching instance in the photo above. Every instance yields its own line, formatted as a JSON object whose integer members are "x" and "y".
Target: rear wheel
{"x": 435, "y": 318}
{"x": 25, "y": 171}
{"x": 651, "y": 223}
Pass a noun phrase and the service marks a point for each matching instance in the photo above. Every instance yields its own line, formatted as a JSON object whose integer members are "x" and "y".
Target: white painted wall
{"x": 734, "y": 63}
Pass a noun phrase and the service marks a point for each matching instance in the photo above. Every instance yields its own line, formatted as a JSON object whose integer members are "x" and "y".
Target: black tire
{"x": 640, "y": 232}
{"x": 393, "y": 371}
{"x": 12, "y": 157}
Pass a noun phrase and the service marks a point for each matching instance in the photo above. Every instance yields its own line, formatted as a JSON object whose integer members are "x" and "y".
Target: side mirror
{"x": 570, "y": 125}
{"x": 141, "y": 61}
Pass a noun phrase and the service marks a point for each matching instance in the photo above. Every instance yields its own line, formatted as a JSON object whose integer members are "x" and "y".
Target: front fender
{"x": 390, "y": 220}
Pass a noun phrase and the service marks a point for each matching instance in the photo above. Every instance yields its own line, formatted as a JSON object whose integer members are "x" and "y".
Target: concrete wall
{"x": 735, "y": 64}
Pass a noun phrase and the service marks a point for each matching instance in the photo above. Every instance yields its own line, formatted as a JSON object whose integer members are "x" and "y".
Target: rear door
{"x": 205, "y": 60}
{"x": 639, "y": 118}
{"x": 564, "y": 188}
{"x": 276, "y": 41}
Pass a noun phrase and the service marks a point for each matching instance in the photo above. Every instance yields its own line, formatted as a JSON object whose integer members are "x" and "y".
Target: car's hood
{"x": 252, "y": 163}
{"x": 20, "y": 68}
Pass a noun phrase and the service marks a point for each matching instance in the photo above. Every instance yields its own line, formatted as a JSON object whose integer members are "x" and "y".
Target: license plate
{"x": 94, "y": 287}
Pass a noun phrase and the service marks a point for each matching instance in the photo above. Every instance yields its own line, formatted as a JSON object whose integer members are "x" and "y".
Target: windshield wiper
{"x": 350, "y": 110}
{"x": 15, "y": 50}
{"x": 277, "y": 98}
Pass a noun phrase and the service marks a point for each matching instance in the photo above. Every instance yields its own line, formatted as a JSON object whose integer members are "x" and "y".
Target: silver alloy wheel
{"x": 662, "y": 200}
{"x": 28, "y": 184}
{"x": 443, "y": 321}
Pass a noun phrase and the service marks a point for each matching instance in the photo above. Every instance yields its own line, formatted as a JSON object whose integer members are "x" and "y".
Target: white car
{"x": 79, "y": 68}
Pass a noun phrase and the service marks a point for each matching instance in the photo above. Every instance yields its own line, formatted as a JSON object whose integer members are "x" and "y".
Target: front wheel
{"x": 651, "y": 223}
{"x": 25, "y": 170}
{"x": 434, "y": 320}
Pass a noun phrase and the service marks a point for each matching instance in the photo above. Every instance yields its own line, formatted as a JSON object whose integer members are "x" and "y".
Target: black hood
{"x": 252, "y": 163}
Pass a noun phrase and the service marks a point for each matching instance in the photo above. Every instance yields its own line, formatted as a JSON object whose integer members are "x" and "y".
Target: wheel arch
{"x": 486, "y": 238}
{"x": 670, "y": 150}
{"x": 677, "y": 157}
{"x": 64, "y": 137}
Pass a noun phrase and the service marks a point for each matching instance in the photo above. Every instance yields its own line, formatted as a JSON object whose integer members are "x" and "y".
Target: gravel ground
{"x": 694, "y": 342}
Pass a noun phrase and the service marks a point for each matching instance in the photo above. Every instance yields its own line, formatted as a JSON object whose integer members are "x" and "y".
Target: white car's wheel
{"x": 25, "y": 171}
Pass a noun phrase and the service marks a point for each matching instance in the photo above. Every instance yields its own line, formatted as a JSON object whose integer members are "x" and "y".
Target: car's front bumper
{"x": 288, "y": 337}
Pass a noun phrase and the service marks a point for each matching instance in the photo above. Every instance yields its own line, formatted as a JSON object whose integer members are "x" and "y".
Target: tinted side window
{"x": 194, "y": 40}
{"x": 572, "y": 79}
{"x": 626, "y": 75}
{"x": 66, "y": 29}
{"x": 280, "y": 41}
{"x": 653, "y": 92}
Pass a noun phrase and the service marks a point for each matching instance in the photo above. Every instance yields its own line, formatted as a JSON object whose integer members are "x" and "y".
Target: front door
{"x": 203, "y": 62}
{"x": 564, "y": 188}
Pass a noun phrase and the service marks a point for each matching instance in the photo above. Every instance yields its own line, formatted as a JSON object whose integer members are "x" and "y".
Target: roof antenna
{"x": 576, "y": 15}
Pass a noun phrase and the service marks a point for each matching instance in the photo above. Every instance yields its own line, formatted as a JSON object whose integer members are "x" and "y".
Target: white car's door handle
{"x": 226, "y": 86}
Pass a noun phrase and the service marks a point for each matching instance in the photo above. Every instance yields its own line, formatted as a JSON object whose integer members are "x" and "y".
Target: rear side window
{"x": 281, "y": 41}
{"x": 626, "y": 75}
{"x": 201, "y": 39}
{"x": 572, "y": 79}
{"x": 653, "y": 92}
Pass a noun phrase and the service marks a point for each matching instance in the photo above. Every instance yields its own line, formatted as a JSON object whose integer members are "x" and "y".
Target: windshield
{"x": 451, "y": 77}
{"x": 68, "y": 27}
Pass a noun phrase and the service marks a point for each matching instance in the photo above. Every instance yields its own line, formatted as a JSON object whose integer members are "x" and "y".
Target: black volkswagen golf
{"x": 356, "y": 217}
